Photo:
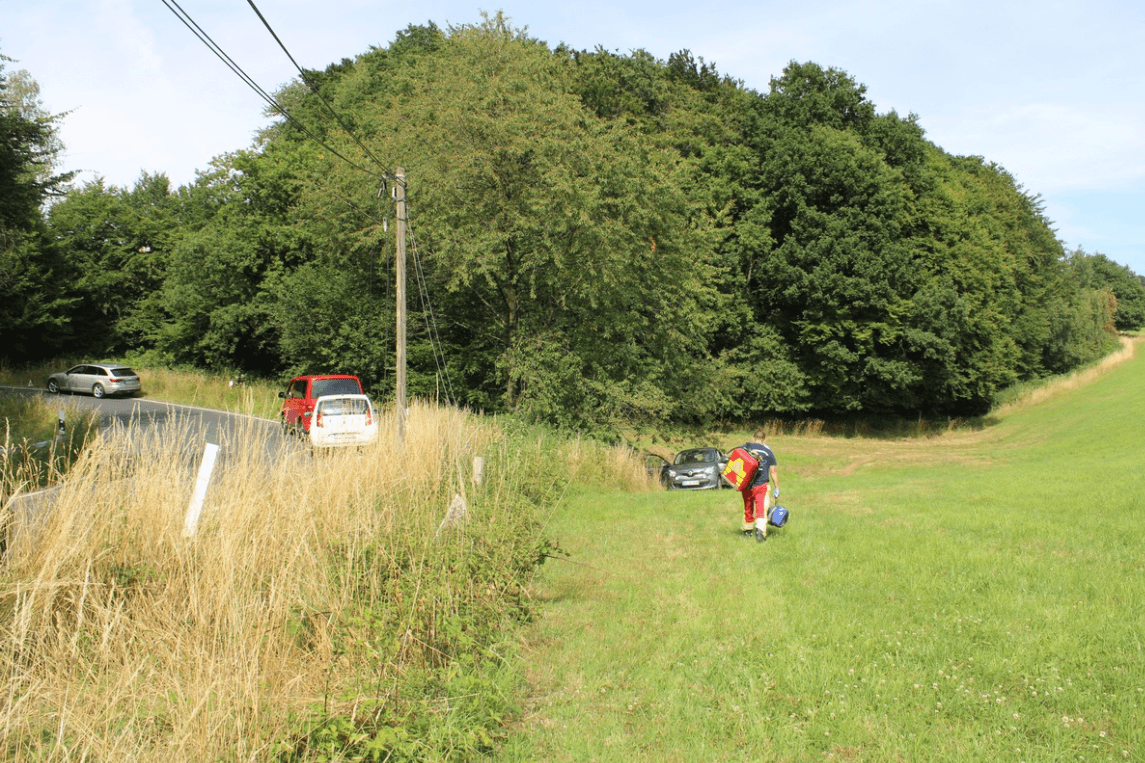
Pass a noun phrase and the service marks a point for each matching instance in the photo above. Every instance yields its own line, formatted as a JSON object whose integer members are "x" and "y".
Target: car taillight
{"x": 113, "y": 380}
{"x": 318, "y": 419}
{"x": 369, "y": 418}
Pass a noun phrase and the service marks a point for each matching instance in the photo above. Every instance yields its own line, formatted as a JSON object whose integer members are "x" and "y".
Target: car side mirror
{"x": 282, "y": 394}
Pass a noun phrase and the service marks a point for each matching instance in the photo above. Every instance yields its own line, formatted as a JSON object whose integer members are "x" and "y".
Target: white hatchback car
{"x": 343, "y": 420}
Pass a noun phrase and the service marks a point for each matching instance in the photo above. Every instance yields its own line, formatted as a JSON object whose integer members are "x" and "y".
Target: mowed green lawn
{"x": 970, "y": 597}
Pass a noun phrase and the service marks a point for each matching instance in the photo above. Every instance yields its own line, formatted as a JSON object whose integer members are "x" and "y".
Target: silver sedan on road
{"x": 97, "y": 379}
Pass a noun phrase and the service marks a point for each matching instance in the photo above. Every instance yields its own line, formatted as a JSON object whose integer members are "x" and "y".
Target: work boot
{"x": 760, "y": 535}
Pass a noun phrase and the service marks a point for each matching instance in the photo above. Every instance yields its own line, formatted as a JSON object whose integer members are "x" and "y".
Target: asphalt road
{"x": 214, "y": 426}
{"x": 211, "y": 425}
{"x": 195, "y": 427}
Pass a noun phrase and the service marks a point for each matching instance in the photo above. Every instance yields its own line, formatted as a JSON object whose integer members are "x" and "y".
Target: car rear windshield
{"x": 122, "y": 371}
{"x": 335, "y": 387}
{"x": 344, "y": 406}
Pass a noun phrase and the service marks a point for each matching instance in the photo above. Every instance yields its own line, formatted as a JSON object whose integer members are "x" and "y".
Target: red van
{"x": 299, "y": 398}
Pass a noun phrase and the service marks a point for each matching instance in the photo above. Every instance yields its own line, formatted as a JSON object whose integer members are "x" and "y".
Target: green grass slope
{"x": 969, "y": 597}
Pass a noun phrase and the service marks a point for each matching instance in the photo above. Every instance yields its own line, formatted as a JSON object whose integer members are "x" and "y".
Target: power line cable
{"x": 423, "y": 288}
{"x": 215, "y": 48}
{"x": 431, "y": 321}
{"x": 387, "y": 173}
{"x": 308, "y": 81}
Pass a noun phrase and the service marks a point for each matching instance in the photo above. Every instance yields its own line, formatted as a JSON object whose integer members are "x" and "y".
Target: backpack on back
{"x": 740, "y": 469}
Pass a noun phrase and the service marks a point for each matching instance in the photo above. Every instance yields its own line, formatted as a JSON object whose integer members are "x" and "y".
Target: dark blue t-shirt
{"x": 766, "y": 461}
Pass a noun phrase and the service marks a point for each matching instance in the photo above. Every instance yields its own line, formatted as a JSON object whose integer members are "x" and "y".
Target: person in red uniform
{"x": 756, "y": 500}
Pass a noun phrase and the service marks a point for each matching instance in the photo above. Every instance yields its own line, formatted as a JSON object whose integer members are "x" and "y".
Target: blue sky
{"x": 1052, "y": 91}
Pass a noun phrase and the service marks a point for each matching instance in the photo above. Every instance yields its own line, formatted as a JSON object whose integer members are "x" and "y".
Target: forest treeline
{"x": 595, "y": 239}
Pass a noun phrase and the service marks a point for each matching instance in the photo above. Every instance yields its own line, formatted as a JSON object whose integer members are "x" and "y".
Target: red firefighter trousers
{"x": 755, "y": 504}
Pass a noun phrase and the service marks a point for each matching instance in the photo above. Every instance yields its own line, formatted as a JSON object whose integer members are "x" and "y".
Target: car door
{"x": 79, "y": 379}
{"x": 98, "y": 376}
{"x": 656, "y": 467}
{"x": 295, "y": 402}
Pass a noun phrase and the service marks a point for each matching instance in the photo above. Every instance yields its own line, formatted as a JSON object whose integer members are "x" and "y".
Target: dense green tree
{"x": 832, "y": 270}
{"x": 838, "y": 277}
{"x": 328, "y": 318}
{"x": 34, "y": 308}
{"x": 218, "y": 311}
{"x": 34, "y": 303}
{"x": 902, "y": 278}
{"x": 547, "y": 229}
{"x": 687, "y": 107}
{"x": 29, "y": 151}
{"x": 807, "y": 94}
{"x": 119, "y": 241}
{"x": 1098, "y": 272}
{"x": 596, "y": 239}
{"x": 991, "y": 243}
{"x": 213, "y": 300}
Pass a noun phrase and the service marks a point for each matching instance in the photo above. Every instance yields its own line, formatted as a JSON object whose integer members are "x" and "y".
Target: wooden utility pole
{"x": 400, "y": 333}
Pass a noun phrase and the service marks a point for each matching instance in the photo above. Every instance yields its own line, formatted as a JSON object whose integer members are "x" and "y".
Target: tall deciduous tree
{"x": 119, "y": 241}
{"x": 568, "y": 242}
{"x": 903, "y": 279}
{"x": 34, "y": 306}
{"x": 218, "y": 309}
{"x": 1096, "y": 271}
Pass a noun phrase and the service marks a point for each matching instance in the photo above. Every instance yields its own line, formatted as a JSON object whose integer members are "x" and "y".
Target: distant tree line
{"x": 597, "y": 239}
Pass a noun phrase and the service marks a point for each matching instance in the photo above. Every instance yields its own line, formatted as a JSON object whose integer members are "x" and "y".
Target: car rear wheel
{"x": 97, "y": 390}
{"x": 53, "y": 387}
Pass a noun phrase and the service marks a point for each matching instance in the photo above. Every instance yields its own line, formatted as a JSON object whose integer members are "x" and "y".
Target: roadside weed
{"x": 322, "y": 611}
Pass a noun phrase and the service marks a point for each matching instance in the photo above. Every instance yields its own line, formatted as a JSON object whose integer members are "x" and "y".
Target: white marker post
{"x": 191, "y": 523}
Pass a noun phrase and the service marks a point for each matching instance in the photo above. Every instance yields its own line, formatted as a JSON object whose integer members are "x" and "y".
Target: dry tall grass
{"x": 258, "y": 397}
{"x": 123, "y": 640}
{"x": 32, "y": 452}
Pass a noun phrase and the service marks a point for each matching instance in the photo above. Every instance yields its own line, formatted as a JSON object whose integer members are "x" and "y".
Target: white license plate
{"x": 690, "y": 483}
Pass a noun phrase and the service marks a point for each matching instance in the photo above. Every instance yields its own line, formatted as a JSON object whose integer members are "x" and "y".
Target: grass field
{"x": 973, "y": 596}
